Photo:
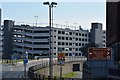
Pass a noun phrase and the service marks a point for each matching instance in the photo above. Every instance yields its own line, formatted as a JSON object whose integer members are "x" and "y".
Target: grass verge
{"x": 11, "y": 61}
{"x": 69, "y": 75}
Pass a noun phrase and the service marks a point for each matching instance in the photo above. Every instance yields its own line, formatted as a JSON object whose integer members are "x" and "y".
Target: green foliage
{"x": 84, "y": 49}
{"x": 68, "y": 75}
{"x": 11, "y": 61}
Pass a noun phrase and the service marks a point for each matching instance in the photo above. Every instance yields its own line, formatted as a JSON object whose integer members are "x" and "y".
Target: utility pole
{"x": 51, "y": 5}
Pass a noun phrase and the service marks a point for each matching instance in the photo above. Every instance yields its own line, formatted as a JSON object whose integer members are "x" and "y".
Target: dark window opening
{"x": 70, "y": 33}
{"x": 82, "y": 34}
{"x": 63, "y": 32}
{"x": 59, "y": 32}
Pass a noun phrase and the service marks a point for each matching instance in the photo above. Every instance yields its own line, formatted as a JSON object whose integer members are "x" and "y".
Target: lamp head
{"x": 46, "y": 3}
{"x": 53, "y": 3}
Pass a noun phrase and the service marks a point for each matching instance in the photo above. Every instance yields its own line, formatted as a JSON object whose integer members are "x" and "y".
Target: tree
{"x": 84, "y": 49}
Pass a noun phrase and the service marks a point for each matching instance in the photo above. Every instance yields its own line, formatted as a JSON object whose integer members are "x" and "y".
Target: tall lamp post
{"x": 66, "y": 23}
{"x": 36, "y": 20}
{"x": 51, "y": 5}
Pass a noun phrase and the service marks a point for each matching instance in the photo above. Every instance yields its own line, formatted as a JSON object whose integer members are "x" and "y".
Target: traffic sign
{"x": 99, "y": 53}
{"x": 61, "y": 58}
{"x": 25, "y": 61}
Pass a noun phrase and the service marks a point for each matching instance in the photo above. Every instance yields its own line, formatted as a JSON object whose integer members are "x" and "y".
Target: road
{"x": 10, "y": 72}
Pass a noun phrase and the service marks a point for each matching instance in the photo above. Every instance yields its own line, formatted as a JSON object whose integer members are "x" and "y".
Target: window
{"x": 62, "y": 43}
{"x": 70, "y": 49}
{"x": 66, "y": 33}
{"x": 104, "y": 37}
{"x": 79, "y": 54}
{"x": 82, "y": 34}
{"x": 67, "y": 43}
{"x": 104, "y": 41}
{"x": 76, "y": 34}
{"x": 70, "y": 33}
{"x": 63, "y": 38}
{"x": 70, "y": 54}
{"x": 63, "y": 32}
{"x": 70, "y": 44}
{"x": 66, "y": 38}
{"x": 66, "y": 54}
{"x": 79, "y": 44}
{"x": 79, "y": 49}
{"x": 66, "y": 49}
{"x": 54, "y": 41}
{"x": 103, "y": 45}
{"x": 59, "y": 43}
{"x": 82, "y": 44}
{"x": 76, "y": 39}
{"x": 85, "y": 35}
{"x": 54, "y": 30}
{"x": 54, "y": 53}
{"x": 76, "y": 44}
{"x": 85, "y": 44}
{"x": 70, "y": 38}
{"x": 82, "y": 39}
{"x": 76, "y": 54}
{"x": 59, "y": 32}
{"x": 79, "y": 34}
{"x": 79, "y": 39}
{"x": 85, "y": 39}
{"x": 55, "y": 36}
{"x": 54, "y": 47}
{"x": 59, "y": 37}
{"x": 76, "y": 49}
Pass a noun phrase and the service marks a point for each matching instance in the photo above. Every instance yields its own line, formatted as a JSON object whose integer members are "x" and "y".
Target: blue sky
{"x": 82, "y": 13}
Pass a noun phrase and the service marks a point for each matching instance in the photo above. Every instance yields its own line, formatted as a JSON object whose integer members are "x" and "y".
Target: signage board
{"x": 61, "y": 58}
{"x": 25, "y": 61}
{"x": 99, "y": 53}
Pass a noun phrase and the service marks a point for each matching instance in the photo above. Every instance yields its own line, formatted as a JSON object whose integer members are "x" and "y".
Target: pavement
{"x": 67, "y": 68}
{"x": 10, "y": 72}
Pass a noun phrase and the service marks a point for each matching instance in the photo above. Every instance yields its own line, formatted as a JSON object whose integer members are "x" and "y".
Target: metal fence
{"x": 35, "y": 76}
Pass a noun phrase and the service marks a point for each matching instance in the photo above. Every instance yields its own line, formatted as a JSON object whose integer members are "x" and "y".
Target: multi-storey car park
{"x": 35, "y": 40}
{"x": 69, "y": 40}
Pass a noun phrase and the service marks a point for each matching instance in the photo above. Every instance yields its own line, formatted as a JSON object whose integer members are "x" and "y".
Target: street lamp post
{"x": 66, "y": 23}
{"x": 51, "y": 5}
{"x": 36, "y": 19}
{"x": 75, "y": 25}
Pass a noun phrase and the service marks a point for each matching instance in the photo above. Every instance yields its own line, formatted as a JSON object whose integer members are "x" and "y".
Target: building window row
{"x": 70, "y": 38}
{"x": 69, "y": 49}
{"x": 70, "y": 54}
{"x": 71, "y": 33}
{"x": 71, "y": 44}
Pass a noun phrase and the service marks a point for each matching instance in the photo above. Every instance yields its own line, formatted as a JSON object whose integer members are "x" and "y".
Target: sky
{"x": 80, "y": 13}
